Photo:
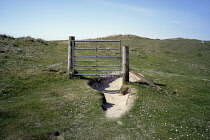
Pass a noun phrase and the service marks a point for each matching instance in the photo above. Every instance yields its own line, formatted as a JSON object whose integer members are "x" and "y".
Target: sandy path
{"x": 116, "y": 105}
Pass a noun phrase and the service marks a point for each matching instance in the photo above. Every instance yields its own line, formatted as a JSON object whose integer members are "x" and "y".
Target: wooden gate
{"x": 94, "y": 57}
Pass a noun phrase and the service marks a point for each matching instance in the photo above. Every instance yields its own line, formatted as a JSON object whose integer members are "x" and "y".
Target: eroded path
{"x": 116, "y": 104}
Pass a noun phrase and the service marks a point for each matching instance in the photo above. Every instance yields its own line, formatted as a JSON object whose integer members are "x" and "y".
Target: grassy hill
{"x": 40, "y": 103}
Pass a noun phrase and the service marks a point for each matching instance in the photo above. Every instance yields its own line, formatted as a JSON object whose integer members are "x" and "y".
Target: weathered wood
{"x": 146, "y": 80}
{"x": 57, "y": 64}
{"x": 125, "y": 64}
{"x": 70, "y": 57}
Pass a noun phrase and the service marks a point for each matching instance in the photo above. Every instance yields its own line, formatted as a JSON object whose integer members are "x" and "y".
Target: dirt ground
{"x": 116, "y": 104}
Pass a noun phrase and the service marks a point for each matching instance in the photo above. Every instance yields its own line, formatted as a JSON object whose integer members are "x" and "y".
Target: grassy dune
{"x": 36, "y": 103}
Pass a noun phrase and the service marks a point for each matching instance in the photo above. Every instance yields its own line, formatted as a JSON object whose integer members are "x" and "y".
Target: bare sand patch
{"x": 116, "y": 104}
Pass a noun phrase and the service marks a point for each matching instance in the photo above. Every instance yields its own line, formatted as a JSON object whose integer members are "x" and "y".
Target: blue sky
{"x": 58, "y": 19}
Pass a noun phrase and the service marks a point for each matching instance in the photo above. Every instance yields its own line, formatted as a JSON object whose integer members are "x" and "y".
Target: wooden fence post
{"x": 70, "y": 57}
{"x": 125, "y": 64}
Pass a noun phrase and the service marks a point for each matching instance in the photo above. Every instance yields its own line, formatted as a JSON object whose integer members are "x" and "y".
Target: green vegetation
{"x": 37, "y": 103}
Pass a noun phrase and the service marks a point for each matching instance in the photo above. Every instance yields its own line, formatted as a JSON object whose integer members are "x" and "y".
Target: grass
{"x": 39, "y": 104}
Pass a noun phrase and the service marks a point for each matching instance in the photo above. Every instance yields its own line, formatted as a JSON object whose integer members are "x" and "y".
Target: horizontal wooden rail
{"x": 93, "y": 49}
{"x": 57, "y": 64}
{"x": 94, "y": 61}
{"x": 146, "y": 80}
{"x": 98, "y": 74}
{"x": 100, "y": 56}
{"x": 94, "y": 70}
{"x": 98, "y": 65}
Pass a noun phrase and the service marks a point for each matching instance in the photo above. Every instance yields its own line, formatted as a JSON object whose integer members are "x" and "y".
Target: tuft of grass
{"x": 124, "y": 89}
